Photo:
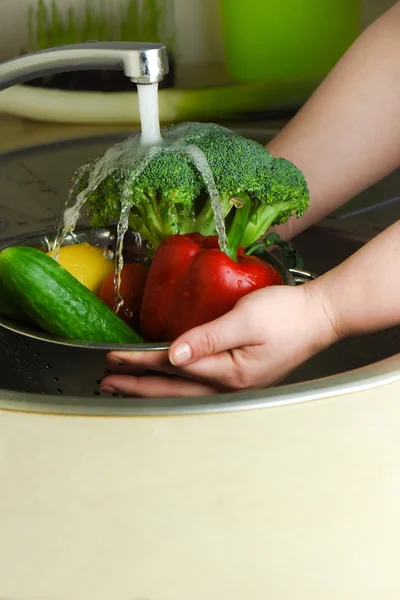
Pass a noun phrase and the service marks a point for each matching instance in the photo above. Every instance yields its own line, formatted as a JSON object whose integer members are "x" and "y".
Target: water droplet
{"x": 109, "y": 254}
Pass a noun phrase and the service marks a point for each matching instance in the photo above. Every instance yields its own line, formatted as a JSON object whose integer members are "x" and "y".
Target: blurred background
{"x": 230, "y": 59}
{"x": 198, "y": 22}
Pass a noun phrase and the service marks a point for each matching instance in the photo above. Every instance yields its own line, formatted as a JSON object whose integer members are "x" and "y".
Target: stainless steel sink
{"x": 34, "y": 184}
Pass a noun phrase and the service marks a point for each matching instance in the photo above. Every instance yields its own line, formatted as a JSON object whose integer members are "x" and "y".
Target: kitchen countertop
{"x": 16, "y": 132}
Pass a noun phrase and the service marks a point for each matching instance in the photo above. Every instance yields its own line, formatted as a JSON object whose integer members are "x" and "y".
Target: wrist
{"x": 323, "y": 323}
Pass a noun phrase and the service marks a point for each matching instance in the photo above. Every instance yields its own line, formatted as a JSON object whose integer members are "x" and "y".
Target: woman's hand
{"x": 265, "y": 337}
{"x": 271, "y": 331}
{"x": 342, "y": 144}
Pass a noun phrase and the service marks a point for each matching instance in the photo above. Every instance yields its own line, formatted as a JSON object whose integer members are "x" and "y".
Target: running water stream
{"x": 149, "y": 116}
{"x": 131, "y": 157}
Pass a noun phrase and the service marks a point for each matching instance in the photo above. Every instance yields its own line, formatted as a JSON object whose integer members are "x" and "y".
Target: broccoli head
{"x": 170, "y": 195}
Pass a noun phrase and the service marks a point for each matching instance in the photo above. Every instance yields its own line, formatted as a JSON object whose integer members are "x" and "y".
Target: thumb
{"x": 225, "y": 333}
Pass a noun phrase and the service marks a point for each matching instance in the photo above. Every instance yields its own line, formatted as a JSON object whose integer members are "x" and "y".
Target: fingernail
{"x": 108, "y": 390}
{"x": 180, "y": 355}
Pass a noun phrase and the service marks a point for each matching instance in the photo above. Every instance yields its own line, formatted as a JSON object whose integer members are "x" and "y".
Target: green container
{"x": 285, "y": 39}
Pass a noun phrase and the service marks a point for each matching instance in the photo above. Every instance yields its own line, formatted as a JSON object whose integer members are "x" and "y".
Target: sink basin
{"x": 34, "y": 184}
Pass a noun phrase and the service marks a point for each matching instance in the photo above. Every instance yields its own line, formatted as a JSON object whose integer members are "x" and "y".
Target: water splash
{"x": 127, "y": 160}
{"x": 199, "y": 160}
{"x": 55, "y": 245}
{"x": 122, "y": 228}
{"x": 183, "y": 138}
{"x": 130, "y": 156}
{"x": 123, "y": 222}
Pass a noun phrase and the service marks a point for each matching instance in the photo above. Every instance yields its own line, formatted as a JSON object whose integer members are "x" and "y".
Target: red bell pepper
{"x": 192, "y": 282}
{"x": 133, "y": 279}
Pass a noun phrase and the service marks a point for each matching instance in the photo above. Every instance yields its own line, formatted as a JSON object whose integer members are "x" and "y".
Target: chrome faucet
{"x": 142, "y": 63}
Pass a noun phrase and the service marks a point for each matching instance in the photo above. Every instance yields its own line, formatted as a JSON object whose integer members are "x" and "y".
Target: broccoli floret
{"x": 170, "y": 195}
{"x": 161, "y": 197}
{"x": 285, "y": 194}
{"x": 104, "y": 203}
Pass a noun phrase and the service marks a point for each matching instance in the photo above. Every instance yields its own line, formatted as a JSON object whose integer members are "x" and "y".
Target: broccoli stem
{"x": 242, "y": 204}
{"x": 137, "y": 225}
{"x": 152, "y": 216}
{"x": 205, "y": 223}
{"x": 148, "y": 218}
{"x": 261, "y": 221}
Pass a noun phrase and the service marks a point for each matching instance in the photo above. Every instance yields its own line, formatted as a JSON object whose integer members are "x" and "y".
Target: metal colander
{"x": 35, "y": 362}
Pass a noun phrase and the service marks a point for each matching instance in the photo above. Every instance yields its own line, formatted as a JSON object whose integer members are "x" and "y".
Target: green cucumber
{"x": 7, "y": 306}
{"x": 58, "y": 302}
{"x": 10, "y": 309}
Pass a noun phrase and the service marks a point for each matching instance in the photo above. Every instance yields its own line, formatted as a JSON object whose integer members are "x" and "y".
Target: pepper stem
{"x": 290, "y": 255}
{"x": 242, "y": 203}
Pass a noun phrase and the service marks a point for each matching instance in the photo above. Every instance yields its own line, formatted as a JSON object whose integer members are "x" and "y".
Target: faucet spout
{"x": 142, "y": 63}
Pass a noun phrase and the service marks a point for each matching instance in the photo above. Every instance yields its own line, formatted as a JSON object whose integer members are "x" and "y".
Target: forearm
{"x": 362, "y": 295}
{"x": 347, "y": 136}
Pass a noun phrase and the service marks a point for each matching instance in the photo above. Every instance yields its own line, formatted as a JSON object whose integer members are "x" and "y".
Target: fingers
{"x": 138, "y": 362}
{"x": 229, "y": 331}
{"x": 141, "y": 363}
{"x": 250, "y": 347}
{"x": 154, "y": 386}
{"x": 227, "y": 371}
